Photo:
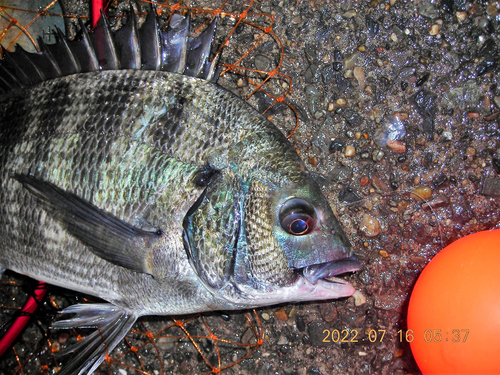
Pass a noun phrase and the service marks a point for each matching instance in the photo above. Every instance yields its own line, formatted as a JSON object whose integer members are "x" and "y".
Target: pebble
{"x": 350, "y": 151}
{"x": 359, "y": 74}
{"x": 461, "y": 16}
{"x": 263, "y": 63}
{"x": 313, "y": 160}
{"x": 377, "y": 155}
{"x": 265, "y": 316}
{"x": 336, "y": 145}
{"x": 421, "y": 193}
{"x": 397, "y": 147}
{"x": 380, "y": 185}
{"x": 365, "y": 180}
{"x": 248, "y": 337}
{"x": 384, "y": 254}
{"x": 470, "y": 151}
{"x": 281, "y": 315}
{"x": 341, "y": 102}
{"x": 434, "y": 30}
{"x": 329, "y": 312}
{"x": 447, "y": 136}
{"x": 359, "y": 298}
{"x": 241, "y": 82}
{"x": 348, "y": 195}
{"x": 351, "y": 61}
{"x": 370, "y": 226}
{"x": 282, "y": 340}
{"x": 491, "y": 187}
{"x": 63, "y": 337}
{"x": 301, "y": 325}
{"x": 166, "y": 343}
{"x": 496, "y": 100}
{"x": 349, "y": 14}
{"x": 313, "y": 97}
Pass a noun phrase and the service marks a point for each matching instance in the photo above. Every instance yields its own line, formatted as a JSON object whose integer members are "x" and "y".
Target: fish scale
{"x": 161, "y": 193}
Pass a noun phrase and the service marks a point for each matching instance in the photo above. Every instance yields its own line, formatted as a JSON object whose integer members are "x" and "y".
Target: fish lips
{"x": 327, "y": 270}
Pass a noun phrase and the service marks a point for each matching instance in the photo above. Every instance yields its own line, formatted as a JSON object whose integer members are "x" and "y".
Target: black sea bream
{"x": 128, "y": 174}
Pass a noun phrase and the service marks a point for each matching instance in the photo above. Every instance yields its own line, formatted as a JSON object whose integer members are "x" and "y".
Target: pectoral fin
{"x": 106, "y": 235}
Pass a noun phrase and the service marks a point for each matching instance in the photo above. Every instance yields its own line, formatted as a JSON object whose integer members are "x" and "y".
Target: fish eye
{"x": 297, "y": 217}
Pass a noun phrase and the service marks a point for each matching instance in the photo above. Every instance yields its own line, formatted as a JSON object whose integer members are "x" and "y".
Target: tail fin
{"x": 112, "y": 324}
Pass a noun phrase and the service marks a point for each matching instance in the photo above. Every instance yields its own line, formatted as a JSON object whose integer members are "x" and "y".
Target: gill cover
{"x": 212, "y": 230}
{"x": 229, "y": 237}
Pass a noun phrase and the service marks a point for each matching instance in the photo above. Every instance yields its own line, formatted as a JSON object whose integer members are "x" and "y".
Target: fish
{"x": 127, "y": 173}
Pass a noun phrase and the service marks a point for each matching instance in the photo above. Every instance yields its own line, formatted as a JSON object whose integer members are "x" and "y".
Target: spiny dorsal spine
{"x": 148, "y": 48}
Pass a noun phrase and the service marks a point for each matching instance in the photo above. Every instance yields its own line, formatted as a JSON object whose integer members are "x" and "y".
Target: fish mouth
{"x": 327, "y": 271}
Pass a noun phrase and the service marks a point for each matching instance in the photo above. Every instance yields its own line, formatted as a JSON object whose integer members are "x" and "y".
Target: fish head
{"x": 268, "y": 241}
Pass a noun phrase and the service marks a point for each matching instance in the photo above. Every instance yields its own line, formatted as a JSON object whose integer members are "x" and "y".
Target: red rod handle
{"x": 28, "y": 309}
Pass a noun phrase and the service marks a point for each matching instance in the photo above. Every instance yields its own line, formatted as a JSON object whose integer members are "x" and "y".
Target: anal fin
{"x": 112, "y": 324}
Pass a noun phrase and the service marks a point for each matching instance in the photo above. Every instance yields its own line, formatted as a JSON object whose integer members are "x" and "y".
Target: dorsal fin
{"x": 149, "y": 48}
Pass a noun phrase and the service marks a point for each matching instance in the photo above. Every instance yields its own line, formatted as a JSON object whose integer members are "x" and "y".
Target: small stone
{"x": 313, "y": 160}
{"x": 331, "y": 107}
{"x": 401, "y": 115}
{"x": 362, "y": 48}
{"x": 377, "y": 155}
{"x": 350, "y": 151}
{"x": 380, "y": 185}
{"x": 402, "y": 205}
{"x": 329, "y": 312}
{"x": 349, "y": 14}
{"x": 166, "y": 343}
{"x": 384, "y": 254}
{"x": 365, "y": 180}
{"x": 434, "y": 30}
{"x": 473, "y": 114}
{"x": 461, "y": 16}
{"x": 336, "y": 145}
{"x": 370, "y": 226}
{"x": 447, "y": 136}
{"x": 63, "y": 337}
{"x": 248, "y": 337}
{"x": 394, "y": 37}
{"x": 470, "y": 151}
{"x": 421, "y": 193}
{"x": 241, "y": 82}
{"x": 265, "y": 316}
{"x": 359, "y": 74}
{"x": 281, "y": 315}
{"x": 491, "y": 187}
{"x": 341, "y": 102}
{"x": 282, "y": 340}
{"x": 359, "y": 298}
{"x": 301, "y": 325}
{"x": 397, "y": 147}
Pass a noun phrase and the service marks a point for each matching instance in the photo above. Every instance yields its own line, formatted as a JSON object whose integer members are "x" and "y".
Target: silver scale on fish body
{"x": 128, "y": 174}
